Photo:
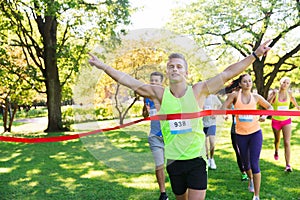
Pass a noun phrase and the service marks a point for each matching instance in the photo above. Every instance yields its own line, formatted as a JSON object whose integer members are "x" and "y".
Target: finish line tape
{"x": 156, "y": 117}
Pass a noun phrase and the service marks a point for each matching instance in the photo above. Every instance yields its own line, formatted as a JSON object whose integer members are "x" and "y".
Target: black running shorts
{"x": 186, "y": 174}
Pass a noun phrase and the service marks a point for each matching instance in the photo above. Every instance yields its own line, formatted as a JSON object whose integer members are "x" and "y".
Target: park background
{"x": 44, "y": 73}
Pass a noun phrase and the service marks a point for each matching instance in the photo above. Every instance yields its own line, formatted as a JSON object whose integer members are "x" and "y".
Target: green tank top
{"x": 281, "y": 105}
{"x": 184, "y": 138}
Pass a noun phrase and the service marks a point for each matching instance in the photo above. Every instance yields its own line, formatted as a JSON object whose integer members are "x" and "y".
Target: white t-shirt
{"x": 212, "y": 102}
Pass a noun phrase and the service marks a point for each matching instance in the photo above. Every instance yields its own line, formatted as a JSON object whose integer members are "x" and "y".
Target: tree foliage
{"x": 54, "y": 35}
{"x": 14, "y": 84}
{"x": 139, "y": 63}
{"x": 139, "y": 54}
{"x": 229, "y": 30}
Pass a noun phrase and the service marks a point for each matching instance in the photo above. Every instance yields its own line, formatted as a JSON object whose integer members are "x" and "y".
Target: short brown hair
{"x": 178, "y": 55}
{"x": 158, "y": 74}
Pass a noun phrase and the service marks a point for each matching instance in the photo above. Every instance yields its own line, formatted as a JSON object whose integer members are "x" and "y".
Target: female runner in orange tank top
{"x": 248, "y": 131}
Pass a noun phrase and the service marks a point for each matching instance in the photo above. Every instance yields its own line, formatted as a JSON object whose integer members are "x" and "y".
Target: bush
{"x": 104, "y": 111}
{"x": 35, "y": 112}
{"x": 78, "y": 114}
{"x": 137, "y": 109}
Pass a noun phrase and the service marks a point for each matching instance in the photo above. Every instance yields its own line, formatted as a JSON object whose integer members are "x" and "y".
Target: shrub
{"x": 33, "y": 112}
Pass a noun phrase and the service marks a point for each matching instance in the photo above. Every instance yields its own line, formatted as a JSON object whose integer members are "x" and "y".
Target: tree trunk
{"x": 118, "y": 105}
{"x": 259, "y": 78}
{"x": 9, "y": 114}
{"x": 53, "y": 103}
{"x": 122, "y": 116}
{"x": 53, "y": 87}
{"x": 121, "y": 121}
{"x": 5, "y": 115}
{"x": 12, "y": 115}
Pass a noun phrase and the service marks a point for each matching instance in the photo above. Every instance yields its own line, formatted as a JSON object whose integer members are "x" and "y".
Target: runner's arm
{"x": 143, "y": 89}
{"x": 214, "y": 84}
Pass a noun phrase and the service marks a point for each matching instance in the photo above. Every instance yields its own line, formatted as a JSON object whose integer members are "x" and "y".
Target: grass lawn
{"x": 118, "y": 165}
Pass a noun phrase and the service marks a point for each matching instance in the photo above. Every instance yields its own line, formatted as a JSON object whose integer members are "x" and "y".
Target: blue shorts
{"x": 211, "y": 130}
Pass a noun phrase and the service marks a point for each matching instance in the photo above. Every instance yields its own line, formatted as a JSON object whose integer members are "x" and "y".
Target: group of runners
{"x": 182, "y": 142}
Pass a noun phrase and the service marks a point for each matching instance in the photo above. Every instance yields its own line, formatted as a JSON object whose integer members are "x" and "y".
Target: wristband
{"x": 255, "y": 56}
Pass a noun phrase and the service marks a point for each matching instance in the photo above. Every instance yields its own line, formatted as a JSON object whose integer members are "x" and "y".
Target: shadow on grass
{"x": 118, "y": 165}
{"x": 269, "y": 135}
{"x": 64, "y": 170}
{"x": 225, "y": 182}
{"x": 126, "y": 151}
{"x": 295, "y": 141}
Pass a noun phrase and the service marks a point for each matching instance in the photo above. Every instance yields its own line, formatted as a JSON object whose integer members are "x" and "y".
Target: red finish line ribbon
{"x": 65, "y": 137}
{"x": 156, "y": 117}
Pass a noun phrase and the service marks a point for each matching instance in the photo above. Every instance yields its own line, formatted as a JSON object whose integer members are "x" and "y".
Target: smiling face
{"x": 246, "y": 82}
{"x": 285, "y": 83}
{"x": 176, "y": 70}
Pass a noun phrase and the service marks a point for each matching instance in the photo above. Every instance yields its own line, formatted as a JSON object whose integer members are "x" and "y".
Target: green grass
{"x": 117, "y": 165}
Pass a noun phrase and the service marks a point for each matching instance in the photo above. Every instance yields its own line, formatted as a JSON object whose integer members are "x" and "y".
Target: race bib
{"x": 245, "y": 118}
{"x": 282, "y": 108}
{"x": 180, "y": 126}
{"x": 152, "y": 112}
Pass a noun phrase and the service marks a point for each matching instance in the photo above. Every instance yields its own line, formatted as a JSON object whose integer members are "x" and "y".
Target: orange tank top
{"x": 246, "y": 124}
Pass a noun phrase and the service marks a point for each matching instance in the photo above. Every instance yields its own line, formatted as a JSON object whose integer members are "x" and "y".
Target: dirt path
{"x": 32, "y": 125}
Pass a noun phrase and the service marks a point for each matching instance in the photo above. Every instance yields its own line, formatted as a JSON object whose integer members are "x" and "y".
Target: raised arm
{"x": 143, "y": 89}
{"x": 216, "y": 83}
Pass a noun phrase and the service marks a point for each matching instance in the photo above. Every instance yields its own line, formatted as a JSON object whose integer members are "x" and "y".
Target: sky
{"x": 154, "y": 14}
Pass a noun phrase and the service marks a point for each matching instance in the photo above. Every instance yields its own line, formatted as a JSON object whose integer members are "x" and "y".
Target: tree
{"x": 14, "y": 89}
{"x": 138, "y": 63}
{"x": 237, "y": 28}
{"x": 140, "y": 53}
{"x": 54, "y": 35}
{"x": 101, "y": 89}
